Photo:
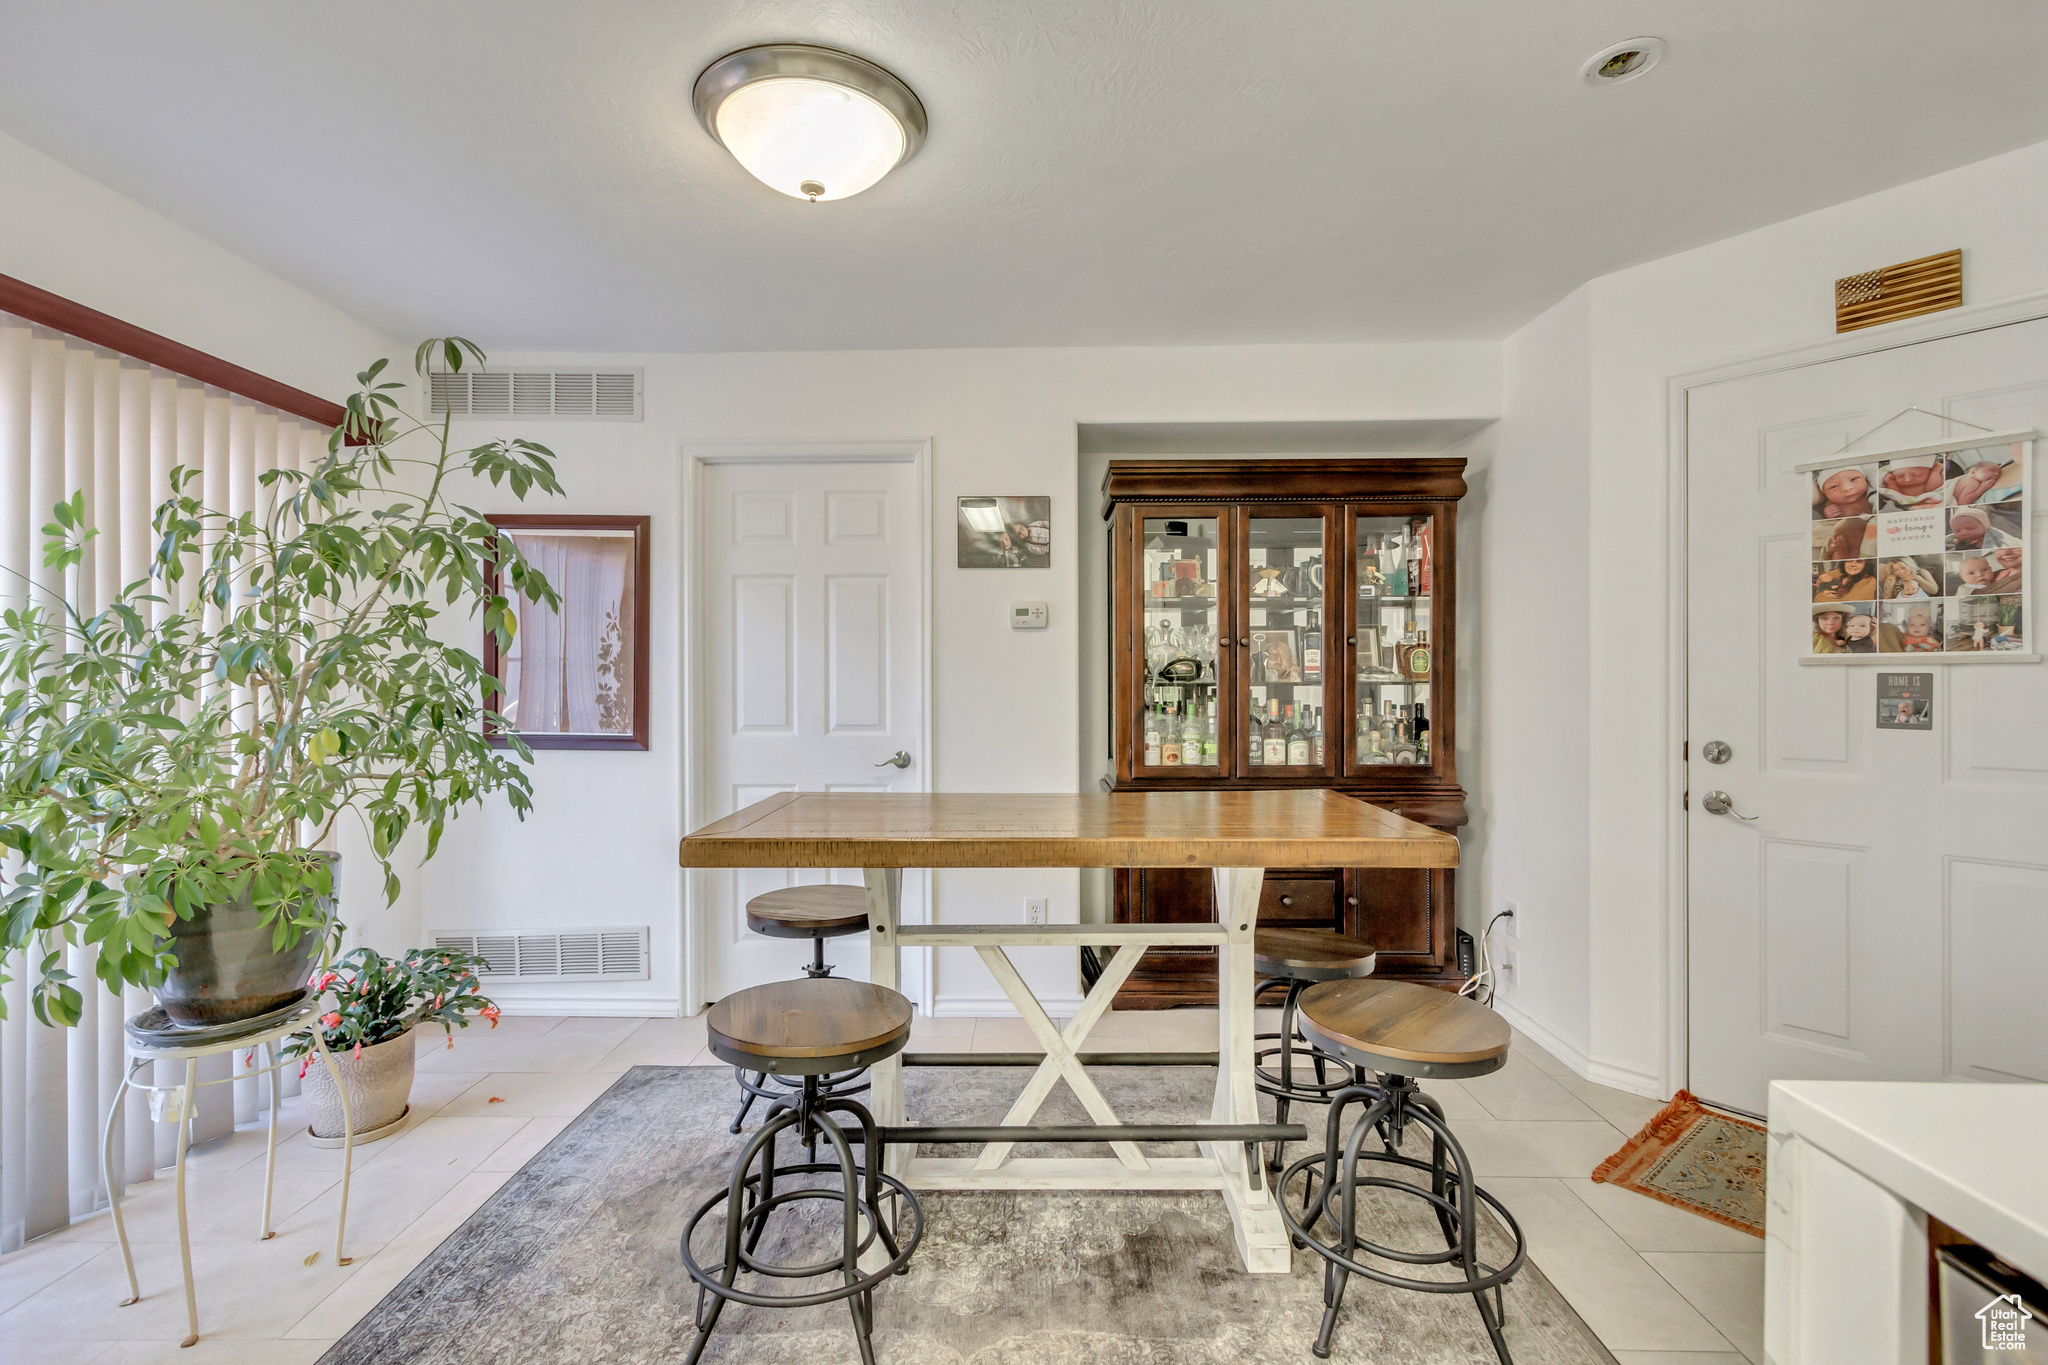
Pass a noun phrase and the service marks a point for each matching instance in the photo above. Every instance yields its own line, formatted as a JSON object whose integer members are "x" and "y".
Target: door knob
{"x": 1716, "y": 751}
{"x": 1287, "y": 900}
{"x": 900, "y": 760}
{"x": 1720, "y": 803}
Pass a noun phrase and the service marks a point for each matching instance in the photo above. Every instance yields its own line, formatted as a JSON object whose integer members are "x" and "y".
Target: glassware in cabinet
{"x": 1394, "y": 582}
{"x": 1181, "y": 723}
{"x": 1285, "y": 659}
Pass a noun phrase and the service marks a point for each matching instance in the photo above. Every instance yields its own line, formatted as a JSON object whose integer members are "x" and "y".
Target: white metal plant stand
{"x": 176, "y": 1104}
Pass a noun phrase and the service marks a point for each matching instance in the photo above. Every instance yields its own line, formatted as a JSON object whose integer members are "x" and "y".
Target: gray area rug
{"x": 575, "y": 1258}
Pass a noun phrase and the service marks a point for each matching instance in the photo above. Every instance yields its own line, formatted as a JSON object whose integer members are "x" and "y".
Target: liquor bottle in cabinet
{"x": 1317, "y": 600}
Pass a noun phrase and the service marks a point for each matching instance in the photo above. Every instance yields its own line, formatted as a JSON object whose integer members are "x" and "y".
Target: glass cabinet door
{"x": 1394, "y": 655}
{"x": 1284, "y": 655}
{"x": 1182, "y": 725}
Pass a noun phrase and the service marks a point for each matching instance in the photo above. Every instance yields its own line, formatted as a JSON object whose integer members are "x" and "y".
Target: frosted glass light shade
{"x": 790, "y": 133}
{"x": 811, "y": 122}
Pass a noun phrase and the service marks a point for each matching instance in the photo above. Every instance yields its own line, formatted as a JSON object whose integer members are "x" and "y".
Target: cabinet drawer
{"x": 1311, "y": 901}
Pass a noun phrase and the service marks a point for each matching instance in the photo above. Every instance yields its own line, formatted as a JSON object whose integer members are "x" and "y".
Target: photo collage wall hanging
{"x": 1922, "y": 551}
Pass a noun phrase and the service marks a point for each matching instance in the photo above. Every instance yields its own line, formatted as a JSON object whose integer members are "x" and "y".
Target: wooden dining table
{"x": 1237, "y": 834}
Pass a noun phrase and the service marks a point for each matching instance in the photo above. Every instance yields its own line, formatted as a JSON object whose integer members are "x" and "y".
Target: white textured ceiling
{"x": 528, "y": 172}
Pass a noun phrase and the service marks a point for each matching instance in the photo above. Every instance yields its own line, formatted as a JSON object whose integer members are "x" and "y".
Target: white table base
{"x": 1261, "y": 1238}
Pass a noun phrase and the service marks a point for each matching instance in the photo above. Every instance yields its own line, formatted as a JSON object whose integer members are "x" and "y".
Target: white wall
{"x": 1566, "y": 535}
{"x": 600, "y": 847}
{"x": 1523, "y": 716}
{"x": 75, "y": 237}
{"x": 1760, "y": 292}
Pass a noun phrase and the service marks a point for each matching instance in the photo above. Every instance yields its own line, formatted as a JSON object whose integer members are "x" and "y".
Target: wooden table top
{"x": 1299, "y": 828}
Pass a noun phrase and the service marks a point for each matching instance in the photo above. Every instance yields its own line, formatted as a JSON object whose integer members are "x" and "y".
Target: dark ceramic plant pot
{"x": 227, "y": 969}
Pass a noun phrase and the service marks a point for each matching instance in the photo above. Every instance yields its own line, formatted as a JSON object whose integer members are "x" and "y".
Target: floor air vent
{"x": 600, "y": 395}
{"x": 557, "y": 954}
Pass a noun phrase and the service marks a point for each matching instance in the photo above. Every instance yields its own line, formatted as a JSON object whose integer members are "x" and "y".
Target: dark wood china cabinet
{"x": 1288, "y": 623}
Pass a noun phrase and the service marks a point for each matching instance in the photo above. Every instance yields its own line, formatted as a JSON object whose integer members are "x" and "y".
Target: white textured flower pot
{"x": 379, "y": 1083}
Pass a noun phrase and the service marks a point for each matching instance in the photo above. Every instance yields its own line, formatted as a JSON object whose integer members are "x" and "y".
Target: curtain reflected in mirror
{"x": 575, "y": 677}
{"x": 571, "y": 672}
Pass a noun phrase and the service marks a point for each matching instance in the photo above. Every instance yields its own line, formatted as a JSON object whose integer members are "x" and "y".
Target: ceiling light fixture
{"x": 812, "y": 122}
{"x": 1622, "y": 61}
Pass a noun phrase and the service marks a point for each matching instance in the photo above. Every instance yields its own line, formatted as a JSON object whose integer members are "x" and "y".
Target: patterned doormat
{"x": 1698, "y": 1159}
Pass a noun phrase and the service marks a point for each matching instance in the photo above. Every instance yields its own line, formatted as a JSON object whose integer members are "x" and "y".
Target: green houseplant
{"x": 170, "y": 765}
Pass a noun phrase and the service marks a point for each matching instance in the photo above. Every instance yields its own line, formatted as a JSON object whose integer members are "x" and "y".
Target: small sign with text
{"x": 1905, "y": 701}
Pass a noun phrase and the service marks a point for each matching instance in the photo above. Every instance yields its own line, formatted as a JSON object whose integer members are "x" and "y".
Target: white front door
{"x": 1884, "y": 915}
{"x": 808, "y": 674}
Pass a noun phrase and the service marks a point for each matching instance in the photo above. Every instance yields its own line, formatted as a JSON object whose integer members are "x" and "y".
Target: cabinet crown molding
{"x": 1394, "y": 478}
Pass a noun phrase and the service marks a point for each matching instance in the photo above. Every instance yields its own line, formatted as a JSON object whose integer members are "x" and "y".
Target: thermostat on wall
{"x": 1027, "y": 616}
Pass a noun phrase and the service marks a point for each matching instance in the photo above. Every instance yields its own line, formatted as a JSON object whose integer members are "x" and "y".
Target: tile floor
{"x": 1659, "y": 1286}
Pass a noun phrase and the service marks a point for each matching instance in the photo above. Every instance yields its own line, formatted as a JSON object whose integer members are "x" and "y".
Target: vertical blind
{"x": 75, "y": 417}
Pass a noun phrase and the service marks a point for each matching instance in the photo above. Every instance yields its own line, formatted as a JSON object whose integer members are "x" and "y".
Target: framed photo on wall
{"x": 1005, "y": 533}
{"x": 1922, "y": 551}
{"x": 577, "y": 678}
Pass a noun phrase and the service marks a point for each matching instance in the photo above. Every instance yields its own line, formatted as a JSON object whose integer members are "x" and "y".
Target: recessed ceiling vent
{"x": 588, "y": 395}
{"x": 618, "y": 954}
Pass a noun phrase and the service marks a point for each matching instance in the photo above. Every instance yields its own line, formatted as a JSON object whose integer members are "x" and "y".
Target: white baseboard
{"x": 1543, "y": 1036}
{"x": 999, "y": 1006}
{"x": 1648, "y": 1084}
{"x": 596, "y": 1001}
{"x": 1645, "y": 1083}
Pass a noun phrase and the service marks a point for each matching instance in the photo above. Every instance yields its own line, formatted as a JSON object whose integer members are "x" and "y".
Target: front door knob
{"x": 900, "y": 760}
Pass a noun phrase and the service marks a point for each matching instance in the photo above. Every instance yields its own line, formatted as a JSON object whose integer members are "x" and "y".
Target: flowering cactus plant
{"x": 373, "y": 999}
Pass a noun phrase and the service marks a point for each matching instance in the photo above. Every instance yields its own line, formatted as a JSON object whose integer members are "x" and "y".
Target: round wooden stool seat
{"x": 1403, "y": 1029}
{"x": 809, "y": 1026}
{"x": 1310, "y": 955}
{"x": 809, "y": 912}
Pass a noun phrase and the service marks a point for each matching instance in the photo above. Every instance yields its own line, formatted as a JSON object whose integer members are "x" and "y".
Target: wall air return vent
{"x": 557, "y": 954}
{"x": 584, "y": 395}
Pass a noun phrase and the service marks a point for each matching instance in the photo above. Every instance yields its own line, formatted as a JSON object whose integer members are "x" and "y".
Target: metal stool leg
{"x": 859, "y": 1302}
{"x": 746, "y": 1097}
{"x": 750, "y": 1201}
{"x": 1282, "y": 1103}
{"x": 1331, "y": 1183}
{"x": 1335, "y": 1275}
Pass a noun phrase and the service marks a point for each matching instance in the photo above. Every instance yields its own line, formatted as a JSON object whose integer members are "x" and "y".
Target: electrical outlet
{"x": 1512, "y": 913}
{"x": 1036, "y": 908}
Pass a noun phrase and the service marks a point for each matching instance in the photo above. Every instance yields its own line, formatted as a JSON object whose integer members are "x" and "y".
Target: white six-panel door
{"x": 1884, "y": 916}
{"x": 808, "y": 672}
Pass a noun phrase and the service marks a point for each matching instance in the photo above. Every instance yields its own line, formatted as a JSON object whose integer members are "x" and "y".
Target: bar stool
{"x": 1300, "y": 958}
{"x": 1402, "y": 1031}
{"x": 816, "y": 913}
{"x": 806, "y": 1030}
